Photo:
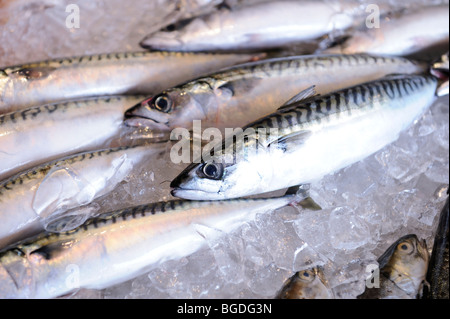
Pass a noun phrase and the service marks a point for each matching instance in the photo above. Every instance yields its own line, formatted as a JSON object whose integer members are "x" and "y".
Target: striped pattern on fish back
{"x": 303, "y": 65}
{"x": 345, "y": 102}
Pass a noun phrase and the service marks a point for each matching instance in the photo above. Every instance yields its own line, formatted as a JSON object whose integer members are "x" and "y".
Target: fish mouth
{"x": 135, "y": 117}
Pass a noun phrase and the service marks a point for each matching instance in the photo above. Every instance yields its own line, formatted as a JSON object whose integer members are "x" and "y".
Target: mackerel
{"x": 120, "y": 245}
{"x": 30, "y": 200}
{"x": 242, "y": 94}
{"x": 43, "y": 133}
{"x": 304, "y": 141}
{"x": 257, "y": 27}
{"x": 77, "y": 77}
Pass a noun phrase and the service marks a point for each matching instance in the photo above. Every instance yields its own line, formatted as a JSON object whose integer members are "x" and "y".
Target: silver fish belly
{"x": 56, "y": 80}
{"x": 120, "y": 245}
{"x": 311, "y": 139}
{"x": 242, "y": 94}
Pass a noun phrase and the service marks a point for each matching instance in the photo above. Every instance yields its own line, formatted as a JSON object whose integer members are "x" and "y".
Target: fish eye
{"x": 212, "y": 170}
{"x": 405, "y": 247}
{"x": 306, "y": 275}
{"x": 163, "y": 103}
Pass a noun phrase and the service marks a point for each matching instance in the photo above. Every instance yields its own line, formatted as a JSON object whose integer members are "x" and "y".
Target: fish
{"x": 438, "y": 270}
{"x": 40, "y": 134}
{"x": 403, "y": 268}
{"x": 306, "y": 284}
{"x": 238, "y": 95}
{"x": 120, "y": 245}
{"x": 304, "y": 141}
{"x": 408, "y": 33}
{"x": 62, "y": 79}
{"x": 258, "y": 26}
{"x": 30, "y": 201}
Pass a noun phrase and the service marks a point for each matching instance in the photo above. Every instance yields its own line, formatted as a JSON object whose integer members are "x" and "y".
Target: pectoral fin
{"x": 302, "y": 97}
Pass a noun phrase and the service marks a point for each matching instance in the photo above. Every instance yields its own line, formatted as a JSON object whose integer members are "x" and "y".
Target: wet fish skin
{"x": 403, "y": 268}
{"x": 256, "y": 27}
{"x": 306, "y": 284}
{"x": 242, "y": 94}
{"x": 312, "y": 139}
{"x": 401, "y": 35}
{"x": 29, "y": 201}
{"x": 438, "y": 269}
{"x": 55, "y": 80}
{"x": 43, "y": 133}
{"x": 120, "y": 245}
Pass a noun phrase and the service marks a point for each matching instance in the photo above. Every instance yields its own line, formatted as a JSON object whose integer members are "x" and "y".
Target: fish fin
{"x": 51, "y": 250}
{"x": 295, "y": 138}
{"x": 35, "y": 73}
{"x": 238, "y": 87}
{"x": 302, "y": 97}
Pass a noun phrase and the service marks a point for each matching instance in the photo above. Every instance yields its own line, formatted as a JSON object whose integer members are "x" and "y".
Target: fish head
{"x": 221, "y": 175}
{"x": 176, "y": 107}
{"x": 306, "y": 284}
{"x": 408, "y": 263}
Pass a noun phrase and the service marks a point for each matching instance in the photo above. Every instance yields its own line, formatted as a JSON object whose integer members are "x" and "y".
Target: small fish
{"x": 438, "y": 269}
{"x": 118, "y": 246}
{"x": 403, "y": 268}
{"x": 234, "y": 97}
{"x": 256, "y": 27}
{"x": 30, "y": 200}
{"x": 304, "y": 141}
{"x": 51, "y": 81}
{"x": 306, "y": 284}
{"x": 43, "y": 133}
{"x": 403, "y": 34}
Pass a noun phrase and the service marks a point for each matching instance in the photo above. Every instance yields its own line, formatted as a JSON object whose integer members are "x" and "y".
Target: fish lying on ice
{"x": 56, "y": 80}
{"x": 120, "y": 245}
{"x": 239, "y": 95}
{"x": 30, "y": 200}
{"x": 43, "y": 133}
{"x": 306, "y": 284}
{"x": 256, "y": 27}
{"x": 303, "y": 142}
{"x": 402, "y": 35}
{"x": 403, "y": 268}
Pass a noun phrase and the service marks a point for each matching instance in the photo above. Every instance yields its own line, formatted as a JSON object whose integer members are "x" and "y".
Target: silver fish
{"x": 403, "y": 268}
{"x": 306, "y": 284}
{"x": 242, "y": 94}
{"x": 405, "y": 34}
{"x": 56, "y": 80}
{"x": 255, "y": 27}
{"x": 43, "y": 133}
{"x": 30, "y": 200}
{"x": 120, "y": 245}
{"x": 303, "y": 142}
